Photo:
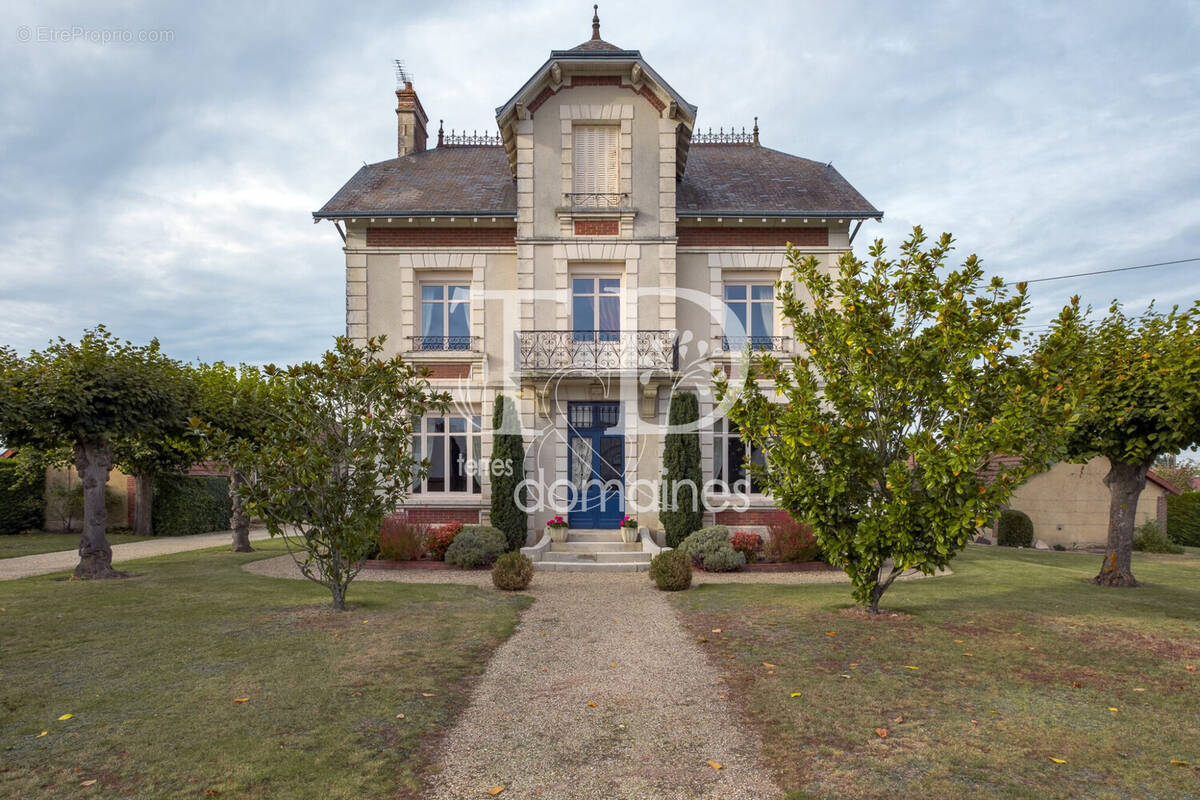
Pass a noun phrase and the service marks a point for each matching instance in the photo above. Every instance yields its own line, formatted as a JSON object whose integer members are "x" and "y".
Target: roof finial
{"x": 596, "y": 23}
{"x": 441, "y": 132}
{"x": 756, "y": 131}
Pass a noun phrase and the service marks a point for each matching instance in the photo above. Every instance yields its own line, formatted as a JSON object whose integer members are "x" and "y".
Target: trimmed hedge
{"x": 671, "y": 571}
{"x": 22, "y": 501}
{"x": 185, "y": 504}
{"x": 710, "y": 549}
{"x": 1014, "y": 529}
{"x": 476, "y": 546}
{"x": 1183, "y": 519}
{"x": 512, "y": 572}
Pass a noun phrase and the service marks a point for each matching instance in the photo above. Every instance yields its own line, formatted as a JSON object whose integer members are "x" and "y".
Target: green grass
{"x": 1019, "y": 660}
{"x": 31, "y": 544}
{"x": 151, "y": 666}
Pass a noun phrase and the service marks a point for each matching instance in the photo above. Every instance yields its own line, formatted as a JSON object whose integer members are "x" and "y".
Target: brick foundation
{"x": 597, "y": 227}
{"x": 434, "y": 515}
{"x": 753, "y": 516}
{"x": 441, "y": 237}
{"x": 729, "y": 236}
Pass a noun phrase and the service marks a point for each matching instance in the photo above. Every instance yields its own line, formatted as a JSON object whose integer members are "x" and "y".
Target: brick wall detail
{"x": 448, "y": 370}
{"x": 752, "y": 237}
{"x": 752, "y": 516}
{"x": 597, "y": 227}
{"x": 441, "y": 237}
{"x": 433, "y": 515}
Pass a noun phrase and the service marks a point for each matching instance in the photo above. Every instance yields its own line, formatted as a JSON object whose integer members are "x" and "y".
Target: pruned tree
{"x": 680, "y": 505}
{"x": 1144, "y": 403}
{"x": 507, "y": 471}
{"x": 87, "y": 396}
{"x": 238, "y": 402}
{"x": 882, "y": 434}
{"x": 335, "y": 455}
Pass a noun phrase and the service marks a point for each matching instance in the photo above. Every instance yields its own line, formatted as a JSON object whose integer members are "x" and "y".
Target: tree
{"x": 1179, "y": 472}
{"x": 507, "y": 469}
{"x": 909, "y": 385}
{"x": 335, "y": 456}
{"x": 238, "y": 402}
{"x": 680, "y": 506}
{"x": 87, "y": 396}
{"x": 1144, "y": 403}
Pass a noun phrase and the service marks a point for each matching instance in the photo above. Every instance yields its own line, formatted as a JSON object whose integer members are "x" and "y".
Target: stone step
{"x": 594, "y": 536}
{"x": 591, "y": 566}
{"x": 605, "y": 556}
{"x": 595, "y": 547}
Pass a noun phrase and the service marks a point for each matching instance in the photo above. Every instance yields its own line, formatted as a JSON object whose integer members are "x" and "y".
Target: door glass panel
{"x": 581, "y": 467}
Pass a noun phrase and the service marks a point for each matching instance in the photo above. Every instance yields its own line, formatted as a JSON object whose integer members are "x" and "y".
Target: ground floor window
{"x": 453, "y": 448}
{"x": 731, "y": 454}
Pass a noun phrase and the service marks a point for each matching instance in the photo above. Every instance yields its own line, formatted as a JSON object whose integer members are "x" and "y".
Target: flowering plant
{"x": 746, "y": 543}
{"x": 629, "y": 522}
{"x": 557, "y": 522}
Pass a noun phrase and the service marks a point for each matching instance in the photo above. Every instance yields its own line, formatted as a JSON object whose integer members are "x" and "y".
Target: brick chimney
{"x": 410, "y": 121}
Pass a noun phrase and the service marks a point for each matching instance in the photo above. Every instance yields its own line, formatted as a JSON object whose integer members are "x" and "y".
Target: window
{"x": 730, "y": 457}
{"x": 596, "y": 173}
{"x": 452, "y": 446}
{"x": 596, "y": 309}
{"x": 749, "y": 316}
{"x": 445, "y": 317}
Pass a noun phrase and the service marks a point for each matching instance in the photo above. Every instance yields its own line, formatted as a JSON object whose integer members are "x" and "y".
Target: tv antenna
{"x": 403, "y": 76}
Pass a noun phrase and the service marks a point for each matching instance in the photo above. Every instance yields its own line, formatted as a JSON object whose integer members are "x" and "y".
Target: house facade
{"x": 593, "y": 255}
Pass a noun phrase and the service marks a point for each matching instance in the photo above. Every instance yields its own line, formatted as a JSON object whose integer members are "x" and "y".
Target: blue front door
{"x": 597, "y": 466}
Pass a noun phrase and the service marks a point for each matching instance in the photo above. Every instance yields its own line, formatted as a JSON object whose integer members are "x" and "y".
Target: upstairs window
{"x": 596, "y": 309}
{"x": 445, "y": 317}
{"x": 597, "y": 176}
{"x": 749, "y": 316}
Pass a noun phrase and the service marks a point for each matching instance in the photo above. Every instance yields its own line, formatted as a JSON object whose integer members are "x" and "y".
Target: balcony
{"x": 444, "y": 344}
{"x": 763, "y": 344}
{"x": 597, "y": 200}
{"x": 592, "y": 351}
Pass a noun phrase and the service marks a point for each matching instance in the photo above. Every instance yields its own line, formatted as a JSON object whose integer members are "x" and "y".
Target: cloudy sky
{"x": 163, "y": 185}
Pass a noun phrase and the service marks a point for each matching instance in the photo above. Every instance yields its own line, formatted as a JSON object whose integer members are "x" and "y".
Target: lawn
{"x": 31, "y": 544}
{"x": 197, "y": 679}
{"x": 976, "y": 682}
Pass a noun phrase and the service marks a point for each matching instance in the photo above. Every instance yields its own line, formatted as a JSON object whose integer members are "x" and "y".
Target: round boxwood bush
{"x": 710, "y": 549}
{"x": 512, "y": 572}
{"x": 1014, "y": 529}
{"x": 476, "y": 546}
{"x": 671, "y": 571}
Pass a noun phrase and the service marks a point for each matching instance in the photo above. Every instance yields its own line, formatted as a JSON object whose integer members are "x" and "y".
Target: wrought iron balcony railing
{"x": 614, "y": 200}
{"x": 768, "y": 344}
{"x": 445, "y": 344}
{"x": 546, "y": 351}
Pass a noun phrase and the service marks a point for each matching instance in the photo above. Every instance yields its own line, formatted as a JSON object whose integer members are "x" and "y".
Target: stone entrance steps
{"x": 594, "y": 551}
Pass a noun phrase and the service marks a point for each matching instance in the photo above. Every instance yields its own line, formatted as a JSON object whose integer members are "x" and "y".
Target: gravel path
{"x": 45, "y": 563}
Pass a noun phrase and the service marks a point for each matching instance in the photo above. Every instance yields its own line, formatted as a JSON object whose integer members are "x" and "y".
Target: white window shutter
{"x": 597, "y": 160}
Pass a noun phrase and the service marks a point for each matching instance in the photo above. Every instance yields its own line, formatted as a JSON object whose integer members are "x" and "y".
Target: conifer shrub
{"x": 512, "y": 572}
{"x": 671, "y": 571}
{"x": 476, "y": 546}
{"x": 1014, "y": 529}
{"x": 507, "y": 470}
{"x": 709, "y": 548}
{"x": 680, "y": 509}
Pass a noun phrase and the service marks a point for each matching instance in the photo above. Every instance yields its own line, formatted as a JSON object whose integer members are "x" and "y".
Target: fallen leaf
{"x": 716, "y": 630}
{"x": 356, "y": 694}
{"x": 211, "y": 793}
{"x": 65, "y": 716}
{"x": 958, "y": 641}
{"x": 90, "y": 782}
{"x": 969, "y": 655}
{"x": 495, "y": 790}
{"x": 399, "y": 716}
{"x": 795, "y": 694}
{"x": 1114, "y": 710}
{"x": 830, "y": 633}
{"x": 543, "y": 633}
{"x": 899, "y": 719}
{"x": 40, "y": 735}
{"x": 731, "y": 655}
{"x": 428, "y": 694}
{"x": 703, "y": 639}
{"x": 714, "y": 764}
{"x": 241, "y": 699}
{"x": 768, "y": 665}
{"x": 1076, "y": 685}
{"x": 910, "y": 666}
{"x": 1139, "y": 689}
{"x": 1190, "y": 667}
{"x": 612, "y": 666}
{"x": 882, "y": 733}
{"x": 591, "y": 704}
{"x": 844, "y": 675}
{"x": 1175, "y": 763}
{"x": 364, "y": 622}
{"x": 1058, "y": 760}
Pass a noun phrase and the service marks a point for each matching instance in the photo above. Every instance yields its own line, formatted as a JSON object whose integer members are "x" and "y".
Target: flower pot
{"x": 557, "y": 533}
{"x": 629, "y": 535}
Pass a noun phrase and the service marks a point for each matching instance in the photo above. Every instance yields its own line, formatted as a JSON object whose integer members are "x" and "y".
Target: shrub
{"x": 400, "y": 540}
{"x": 1014, "y": 529}
{"x": 507, "y": 468}
{"x": 22, "y": 499}
{"x": 512, "y": 572}
{"x": 710, "y": 548}
{"x": 476, "y": 546}
{"x": 792, "y": 542}
{"x": 185, "y": 504}
{"x": 1060, "y": 548}
{"x": 439, "y": 538}
{"x": 1149, "y": 538}
{"x": 1183, "y": 519}
{"x": 671, "y": 571}
{"x": 748, "y": 544}
{"x": 64, "y": 506}
{"x": 681, "y": 510}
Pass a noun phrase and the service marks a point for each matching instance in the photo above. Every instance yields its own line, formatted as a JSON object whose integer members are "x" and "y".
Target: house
{"x": 591, "y": 256}
{"x": 1069, "y": 503}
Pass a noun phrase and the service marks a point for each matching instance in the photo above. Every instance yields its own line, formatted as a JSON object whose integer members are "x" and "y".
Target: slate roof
{"x": 719, "y": 179}
{"x": 592, "y": 45}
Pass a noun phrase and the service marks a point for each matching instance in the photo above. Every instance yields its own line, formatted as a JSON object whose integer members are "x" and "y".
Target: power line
{"x": 1105, "y": 271}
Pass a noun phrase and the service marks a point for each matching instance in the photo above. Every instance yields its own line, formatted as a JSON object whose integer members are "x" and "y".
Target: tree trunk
{"x": 143, "y": 505}
{"x": 93, "y": 461}
{"x": 339, "y": 596}
{"x": 239, "y": 522}
{"x": 1125, "y": 482}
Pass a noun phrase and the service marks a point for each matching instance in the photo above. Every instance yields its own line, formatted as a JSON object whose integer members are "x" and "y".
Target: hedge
{"x": 22, "y": 501}
{"x": 1014, "y": 529}
{"x": 1183, "y": 519}
{"x": 185, "y": 504}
